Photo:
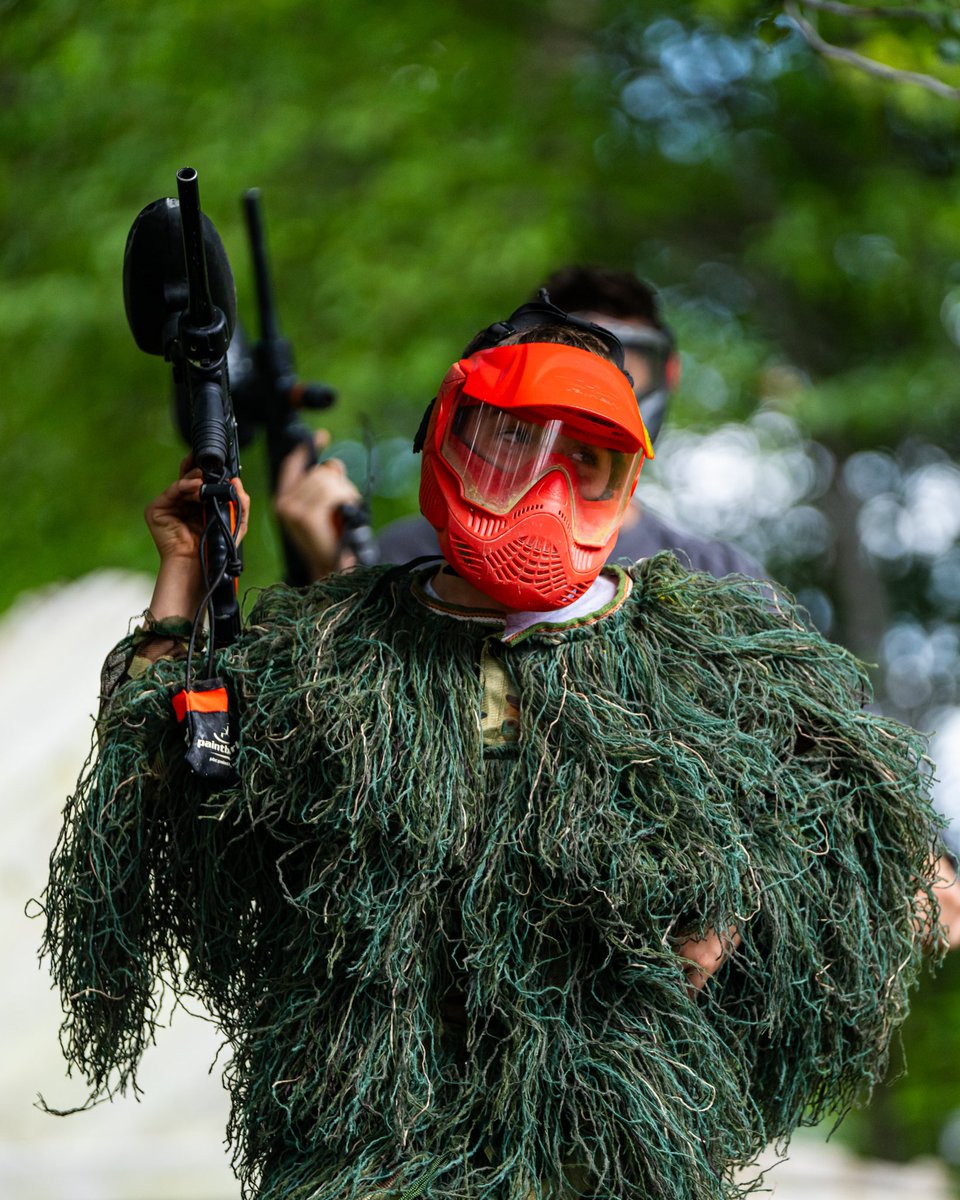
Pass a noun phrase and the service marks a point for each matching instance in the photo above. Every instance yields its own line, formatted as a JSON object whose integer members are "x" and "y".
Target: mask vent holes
{"x": 485, "y": 526}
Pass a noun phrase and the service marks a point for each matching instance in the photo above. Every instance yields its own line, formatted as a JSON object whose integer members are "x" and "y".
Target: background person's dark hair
{"x": 601, "y": 290}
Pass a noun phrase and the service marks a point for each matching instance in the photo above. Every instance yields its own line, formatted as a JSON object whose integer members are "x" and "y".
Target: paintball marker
{"x": 267, "y": 393}
{"x": 180, "y": 303}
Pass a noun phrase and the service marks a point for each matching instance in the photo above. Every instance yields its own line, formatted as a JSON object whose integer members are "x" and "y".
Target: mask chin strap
{"x": 537, "y": 312}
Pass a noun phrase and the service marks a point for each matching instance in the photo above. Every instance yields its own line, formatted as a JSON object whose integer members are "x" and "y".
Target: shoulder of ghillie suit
{"x": 665, "y": 578}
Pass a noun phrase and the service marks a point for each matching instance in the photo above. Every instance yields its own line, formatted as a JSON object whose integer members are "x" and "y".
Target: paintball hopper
{"x": 155, "y": 290}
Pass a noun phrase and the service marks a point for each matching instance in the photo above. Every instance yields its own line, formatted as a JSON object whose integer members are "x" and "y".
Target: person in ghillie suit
{"x": 539, "y": 878}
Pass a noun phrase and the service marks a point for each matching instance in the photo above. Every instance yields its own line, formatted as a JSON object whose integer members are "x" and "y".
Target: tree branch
{"x": 838, "y": 8}
{"x": 868, "y": 65}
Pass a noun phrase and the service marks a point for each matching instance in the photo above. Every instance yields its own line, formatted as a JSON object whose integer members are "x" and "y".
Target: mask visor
{"x": 500, "y": 456}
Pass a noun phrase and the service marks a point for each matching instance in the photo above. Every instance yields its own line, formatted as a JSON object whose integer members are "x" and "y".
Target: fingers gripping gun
{"x": 268, "y": 393}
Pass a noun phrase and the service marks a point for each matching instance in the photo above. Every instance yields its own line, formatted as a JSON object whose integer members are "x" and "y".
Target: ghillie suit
{"x": 445, "y": 961}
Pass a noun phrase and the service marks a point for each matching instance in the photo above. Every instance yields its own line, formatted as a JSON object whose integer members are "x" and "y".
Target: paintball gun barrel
{"x": 268, "y": 393}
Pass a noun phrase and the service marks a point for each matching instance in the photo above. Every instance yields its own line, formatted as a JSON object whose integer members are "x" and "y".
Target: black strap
{"x": 390, "y": 576}
{"x": 545, "y": 312}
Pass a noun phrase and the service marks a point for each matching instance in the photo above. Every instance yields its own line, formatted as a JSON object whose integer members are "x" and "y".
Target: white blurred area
{"x": 945, "y": 752}
{"x": 169, "y": 1144}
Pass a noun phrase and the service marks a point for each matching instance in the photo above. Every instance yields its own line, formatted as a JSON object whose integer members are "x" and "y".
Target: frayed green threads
{"x": 413, "y": 944}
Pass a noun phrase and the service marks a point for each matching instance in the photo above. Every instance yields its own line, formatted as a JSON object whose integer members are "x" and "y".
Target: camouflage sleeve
{"x": 150, "y": 641}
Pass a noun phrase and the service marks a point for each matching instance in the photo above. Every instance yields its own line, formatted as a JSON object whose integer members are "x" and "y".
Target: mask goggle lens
{"x": 500, "y": 455}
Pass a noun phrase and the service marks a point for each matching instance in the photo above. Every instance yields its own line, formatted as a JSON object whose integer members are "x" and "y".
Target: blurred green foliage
{"x": 417, "y": 166}
{"x": 422, "y": 167}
